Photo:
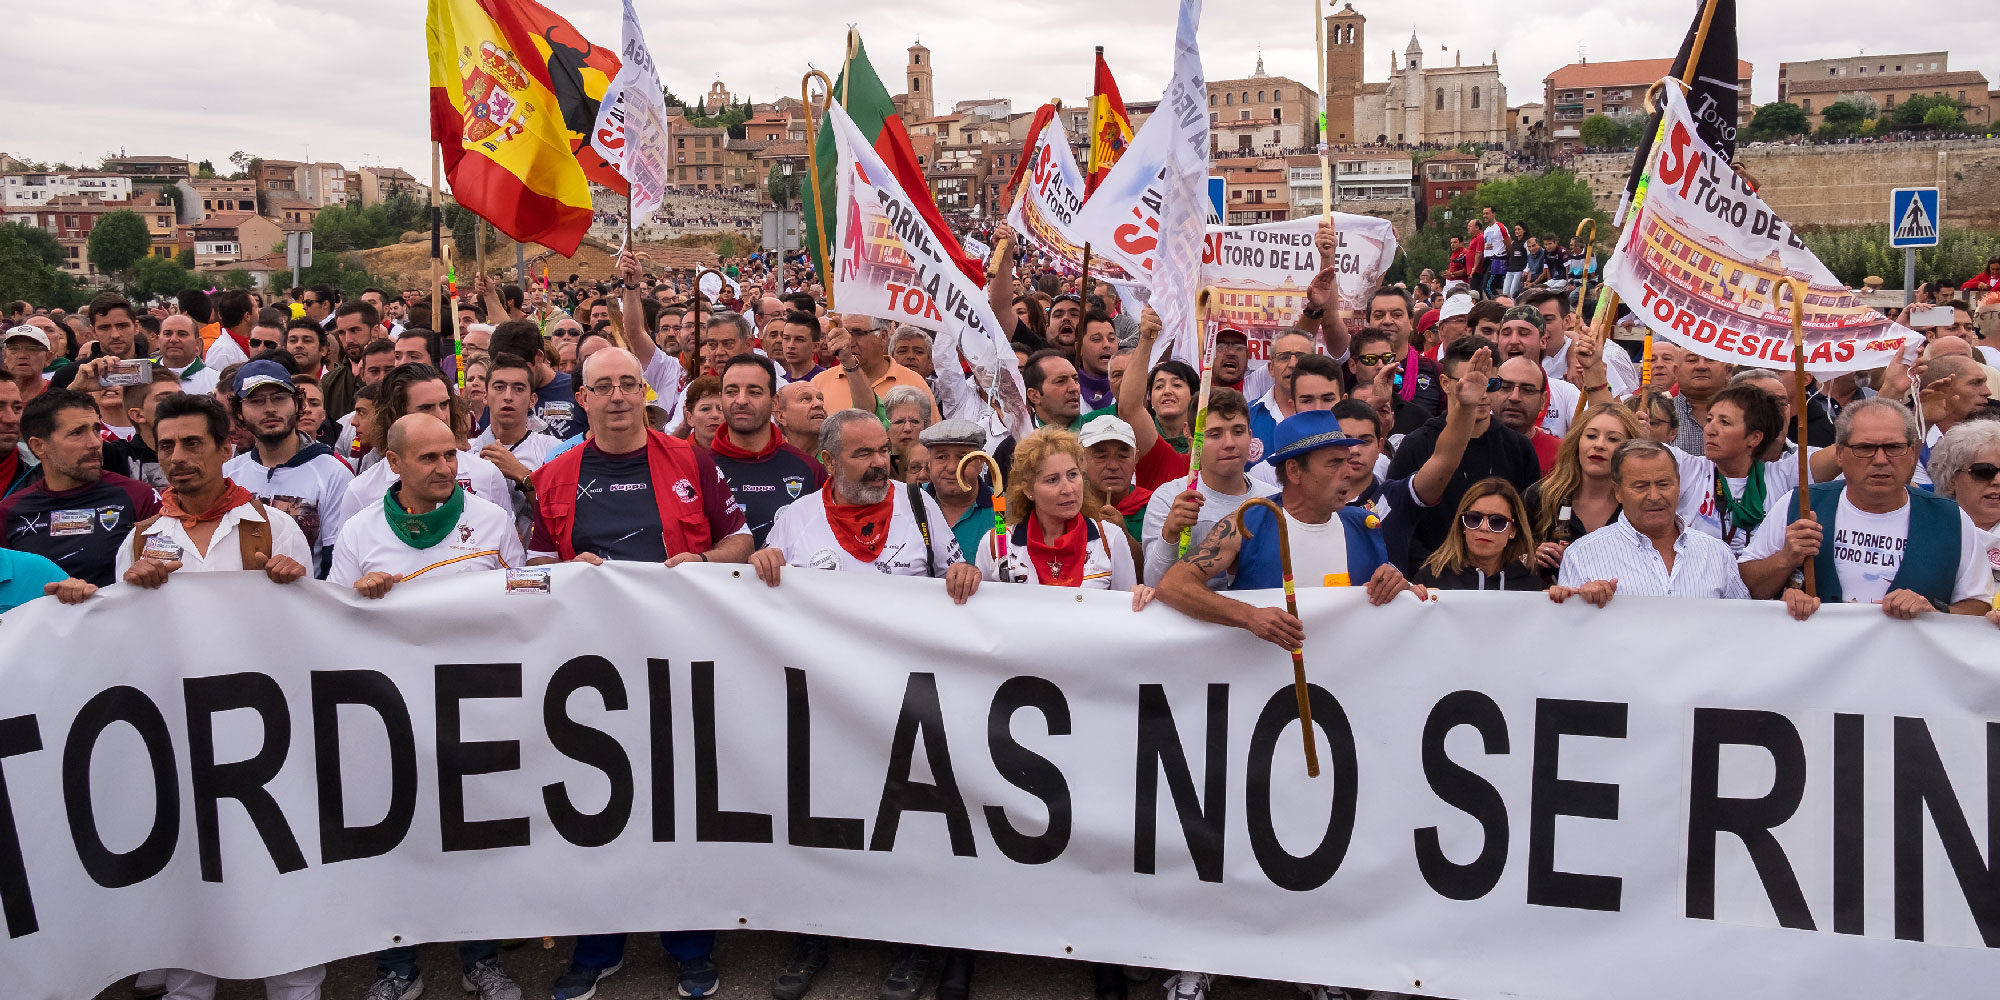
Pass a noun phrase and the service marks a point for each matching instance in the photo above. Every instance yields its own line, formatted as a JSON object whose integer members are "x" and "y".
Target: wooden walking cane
{"x": 1292, "y": 608}
{"x": 1799, "y": 290}
{"x": 1205, "y": 346}
{"x": 1600, "y": 330}
{"x": 999, "y": 500}
{"x": 812, "y": 167}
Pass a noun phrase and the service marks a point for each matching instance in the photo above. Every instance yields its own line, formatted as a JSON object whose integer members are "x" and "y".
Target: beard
{"x": 871, "y": 488}
{"x": 279, "y": 437}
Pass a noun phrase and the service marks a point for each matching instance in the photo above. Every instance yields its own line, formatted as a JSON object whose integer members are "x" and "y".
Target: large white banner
{"x": 1258, "y": 274}
{"x": 1704, "y": 262}
{"x": 632, "y": 123}
{"x": 887, "y": 262}
{"x": 1518, "y": 800}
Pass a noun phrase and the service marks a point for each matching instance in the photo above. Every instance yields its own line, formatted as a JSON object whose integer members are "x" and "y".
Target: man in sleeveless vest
{"x": 1871, "y": 537}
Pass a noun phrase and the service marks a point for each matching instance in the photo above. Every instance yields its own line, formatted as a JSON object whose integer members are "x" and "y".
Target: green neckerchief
{"x": 1179, "y": 444}
{"x": 1746, "y": 511}
{"x": 421, "y": 531}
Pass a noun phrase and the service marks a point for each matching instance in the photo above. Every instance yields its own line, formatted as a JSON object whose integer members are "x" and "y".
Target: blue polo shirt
{"x": 22, "y": 576}
{"x": 971, "y": 527}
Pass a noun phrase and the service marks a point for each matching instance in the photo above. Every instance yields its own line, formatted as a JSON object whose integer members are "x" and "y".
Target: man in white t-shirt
{"x": 861, "y": 521}
{"x": 209, "y": 524}
{"x": 1221, "y": 487}
{"x": 419, "y": 388}
{"x": 514, "y": 439}
{"x": 425, "y": 523}
{"x": 179, "y": 351}
{"x": 1871, "y": 538}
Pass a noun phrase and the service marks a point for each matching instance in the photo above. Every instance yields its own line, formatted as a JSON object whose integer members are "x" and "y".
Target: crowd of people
{"x": 1473, "y": 435}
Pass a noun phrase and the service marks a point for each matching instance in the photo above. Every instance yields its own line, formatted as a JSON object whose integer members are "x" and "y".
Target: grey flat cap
{"x": 953, "y": 431}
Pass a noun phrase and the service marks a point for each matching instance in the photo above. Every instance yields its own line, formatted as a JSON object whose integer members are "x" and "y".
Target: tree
{"x": 185, "y": 258}
{"x": 119, "y": 241}
{"x": 1844, "y": 118}
{"x": 159, "y": 277}
{"x": 205, "y": 168}
{"x": 1601, "y": 131}
{"x": 784, "y": 187}
{"x": 1778, "y": 120}
{"x": 1915, "y": 114}
{"x": 39, "y": 240}
{"x": 26, "y": 272}
{"x": 237, "y": 279}
{"x": 1544, "y": 204}
{"x": 1941, "y": 117}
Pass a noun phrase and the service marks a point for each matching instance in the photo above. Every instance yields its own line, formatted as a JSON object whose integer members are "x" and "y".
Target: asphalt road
{"x": 749, "y": 960}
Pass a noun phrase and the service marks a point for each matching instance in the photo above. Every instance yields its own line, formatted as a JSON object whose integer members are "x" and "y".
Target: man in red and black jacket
{"x": 631, "y": 493}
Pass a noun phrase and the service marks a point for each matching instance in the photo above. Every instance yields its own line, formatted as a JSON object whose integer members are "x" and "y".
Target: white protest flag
{"x": 974, "y": 247}
{"x": 711, "y": 284}
{"x": 632, "y": 123}
{"x": 1047, "y": 208}
{"x": 1703, "y": 261}
{"x": 887, "y": 262}
{"x": 1258, "y": 274}
{"x": 1149, "y": 213}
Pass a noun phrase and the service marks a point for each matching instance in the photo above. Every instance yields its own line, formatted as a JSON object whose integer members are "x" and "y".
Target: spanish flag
{"x": 497, "y": 120}
{"x": 1110, "y": 126}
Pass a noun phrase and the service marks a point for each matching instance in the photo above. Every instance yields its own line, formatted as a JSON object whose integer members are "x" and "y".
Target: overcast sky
{"x": 345, "y": 80}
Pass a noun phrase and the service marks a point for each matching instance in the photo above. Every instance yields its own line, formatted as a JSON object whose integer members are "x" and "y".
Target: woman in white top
{"x": 1727, "y": 491}
{"x": 1965, "y": 465}
{"x": 1051, "y": 541}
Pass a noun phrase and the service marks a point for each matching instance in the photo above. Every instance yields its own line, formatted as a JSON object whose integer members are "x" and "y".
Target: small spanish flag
{"x": 499, "y": 125}
{"x": 1110, "y": 126}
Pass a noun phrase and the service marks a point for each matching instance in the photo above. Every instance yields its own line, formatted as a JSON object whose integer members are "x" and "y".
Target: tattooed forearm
{"x": 1208, "y": 556}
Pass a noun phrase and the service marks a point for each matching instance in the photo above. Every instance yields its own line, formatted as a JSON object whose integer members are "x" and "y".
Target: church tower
{"x": 1345, "y": 36}
{"x": 919, "y": 105}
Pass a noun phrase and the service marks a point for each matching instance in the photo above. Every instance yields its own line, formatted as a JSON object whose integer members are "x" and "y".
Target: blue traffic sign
{"x": 1913, "y": 217}
{"x": 1218, "y": 192}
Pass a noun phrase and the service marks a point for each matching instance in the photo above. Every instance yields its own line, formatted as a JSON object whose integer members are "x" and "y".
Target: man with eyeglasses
{"x": 1646, "y": 551}
{"x": 1522, "y": 401}
{"x": 1493, "y": 450}
{"x": 632, "y": 493}
{"x": 1370, "y": 374}
{"x": 1891, "y": 544}
{"x": 1276, "y": 403}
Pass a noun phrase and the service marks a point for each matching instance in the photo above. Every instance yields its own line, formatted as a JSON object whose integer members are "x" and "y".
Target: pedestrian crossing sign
{"x": 1913, "y": 217}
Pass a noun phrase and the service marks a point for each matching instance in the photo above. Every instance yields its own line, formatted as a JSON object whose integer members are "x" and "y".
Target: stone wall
{"x": 1846, "y": 185}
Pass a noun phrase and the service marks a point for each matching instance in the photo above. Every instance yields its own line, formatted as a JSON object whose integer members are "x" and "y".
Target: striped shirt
{"x": 1703, "y": 564}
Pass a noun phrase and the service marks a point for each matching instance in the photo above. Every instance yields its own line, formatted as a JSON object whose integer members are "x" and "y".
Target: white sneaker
{"x": 1187, "y": 986}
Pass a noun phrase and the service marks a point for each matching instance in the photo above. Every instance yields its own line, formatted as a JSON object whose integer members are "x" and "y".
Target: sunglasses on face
{"x": 1494, "y": 523}
{"x": 263, "y": 345}
{"x": 1371, "y": 360}
{"x": 1982, "y": 472}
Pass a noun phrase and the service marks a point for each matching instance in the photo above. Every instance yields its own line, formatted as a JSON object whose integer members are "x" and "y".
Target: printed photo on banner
{"x": 1258, "y": 274}
{"x": 1704, "y": 262}
{"x": 1050, "y": 202}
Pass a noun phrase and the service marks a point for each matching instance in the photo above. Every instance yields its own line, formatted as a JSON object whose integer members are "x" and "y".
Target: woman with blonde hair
{"x": 1052, "y": 541}
{"x": 1488, "y": 548}
{"x": 1576, "y": 498}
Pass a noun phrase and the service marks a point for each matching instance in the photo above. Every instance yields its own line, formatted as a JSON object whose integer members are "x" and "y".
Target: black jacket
{"x": 1514, "y": 576}
{"x": 1498, "y": 452}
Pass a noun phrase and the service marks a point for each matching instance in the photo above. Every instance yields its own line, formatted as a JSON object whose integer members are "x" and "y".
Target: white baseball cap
{"x": 27, "y": 332}
{"x": 1455, "y": 306}
{"x": 1107, "y": 428}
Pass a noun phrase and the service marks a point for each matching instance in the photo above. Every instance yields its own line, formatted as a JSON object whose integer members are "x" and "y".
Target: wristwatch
{"x": 1312, "y": 311}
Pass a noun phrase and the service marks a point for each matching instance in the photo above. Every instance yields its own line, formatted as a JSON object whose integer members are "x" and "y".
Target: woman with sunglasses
{"x": 1576, "y": 497}
{"x": 1489, "y": 547}
{"x": 1965, "y": 466}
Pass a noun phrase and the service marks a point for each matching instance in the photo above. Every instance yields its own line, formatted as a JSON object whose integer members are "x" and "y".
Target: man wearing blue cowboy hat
{"x": 1333, "y": 545}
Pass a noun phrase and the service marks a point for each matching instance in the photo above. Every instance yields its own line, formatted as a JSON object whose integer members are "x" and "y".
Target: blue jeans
{"x": 602, "y": 951}
{"x": 403, "y": 961}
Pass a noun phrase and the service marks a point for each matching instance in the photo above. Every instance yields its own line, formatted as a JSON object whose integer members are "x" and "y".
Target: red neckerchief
{"x": 727, "y": 448}
{"x": 241, "y": 341}
{"x": 861, "y": 529}
{"x": 233, "y": 496}
{"x": 1059, "y": 563}
{"x": 1134, "y": 502}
